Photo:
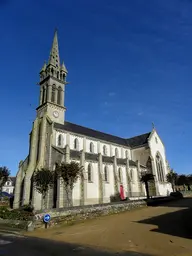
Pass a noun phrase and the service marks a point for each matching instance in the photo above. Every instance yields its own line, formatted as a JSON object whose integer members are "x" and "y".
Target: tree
{"x": 145, "y": 178}
{"x": 172, "y": 178}
{"x": 4, "y": 174}
{"x": 69, "y": 172}
{"x": 182, "y": 180}
{"x": 43, "y": 180}
{"x": 189, "y": 177}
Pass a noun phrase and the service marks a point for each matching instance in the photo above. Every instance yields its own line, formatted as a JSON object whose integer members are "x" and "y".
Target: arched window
{"x": 63, "y": 77}
{"x": 90, "y": 173}
{"x": 106, "y": 176}
{"x": 52, "y": 72}
{"x": 149, "y": 165}
{"x": 76, "y": 144}
{"x": 60, "y": 140}
{"x": 159, "y": 166}
{"x": 120, "y": 175}
{"x": 104, "y": 150}
{"x": 131, "y": 174}
{"x": 59, "y": 95}
{"x": 116, "y": 152}
{"x": 53, "y": 93}
{"x": 91, "y": 147}
{"x": 58, "y": 74}
{"x": 43, "y": 95}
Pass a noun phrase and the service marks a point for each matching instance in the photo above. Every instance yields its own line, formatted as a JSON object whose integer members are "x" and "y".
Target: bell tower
{"x": 52, "y": 86}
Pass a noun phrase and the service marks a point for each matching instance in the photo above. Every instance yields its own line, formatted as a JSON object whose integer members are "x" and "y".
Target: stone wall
{"x": 78, "y": 214}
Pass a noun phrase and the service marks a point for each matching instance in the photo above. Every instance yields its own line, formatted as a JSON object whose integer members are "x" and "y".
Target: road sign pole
{"x": 46, "y": 219}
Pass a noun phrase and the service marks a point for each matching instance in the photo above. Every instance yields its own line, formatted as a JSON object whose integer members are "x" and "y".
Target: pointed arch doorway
{"x": 152, "y": 187}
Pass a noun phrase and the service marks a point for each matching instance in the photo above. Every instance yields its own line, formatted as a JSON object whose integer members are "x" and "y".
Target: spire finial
{"x": 63, "y": 68}
{"x": 153, "y": 125}
{"x": 44, "y": 67}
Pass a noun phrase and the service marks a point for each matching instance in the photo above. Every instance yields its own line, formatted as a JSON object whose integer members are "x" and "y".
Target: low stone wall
{"x": 69, "y": 216}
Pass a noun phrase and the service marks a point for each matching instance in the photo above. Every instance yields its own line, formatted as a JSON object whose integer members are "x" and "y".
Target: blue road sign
{"x": 46, "y": 218}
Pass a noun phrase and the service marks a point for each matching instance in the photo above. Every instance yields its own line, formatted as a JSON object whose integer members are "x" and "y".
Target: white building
{"x": 108, "y": 160}
{"x": 9, "y": 185}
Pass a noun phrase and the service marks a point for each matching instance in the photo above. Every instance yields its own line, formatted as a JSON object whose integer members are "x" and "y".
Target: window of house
{"x": 156, "y": 140}
{"x": 106, "y": 174}
{"x": 91, "y": 147}
{"x": 76, "y": 144}
{"x": 89, "y": 173}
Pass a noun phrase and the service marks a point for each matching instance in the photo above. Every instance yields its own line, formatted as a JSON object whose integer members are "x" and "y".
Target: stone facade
{"x": 108, "y": 161}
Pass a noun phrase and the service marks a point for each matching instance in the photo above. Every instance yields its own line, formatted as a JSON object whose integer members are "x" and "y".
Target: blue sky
{"x": 129, "y": 63}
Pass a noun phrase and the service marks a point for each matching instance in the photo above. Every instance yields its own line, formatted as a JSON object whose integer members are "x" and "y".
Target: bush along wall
{"x": 81, "y": 214}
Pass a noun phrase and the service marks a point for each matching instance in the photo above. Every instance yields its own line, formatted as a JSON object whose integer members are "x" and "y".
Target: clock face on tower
{"x": 56, "y": 114}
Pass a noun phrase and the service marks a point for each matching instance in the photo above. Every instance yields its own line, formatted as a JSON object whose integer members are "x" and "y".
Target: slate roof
{"x": 74, "y": 154}
{"x": 138, "y": 140}
{"x": 131, "y": 142}
{"x": 13, "y": 179}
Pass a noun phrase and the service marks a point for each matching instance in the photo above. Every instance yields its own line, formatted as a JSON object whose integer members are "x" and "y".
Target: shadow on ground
{"x": 183, "y": 202}
{"x": 43, "y": 247}
{"x": 177, "y": 223}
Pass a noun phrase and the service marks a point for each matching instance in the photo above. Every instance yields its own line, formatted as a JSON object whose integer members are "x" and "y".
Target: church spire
{"x": 54, "y": 54}
{"x": 53, "y": 68}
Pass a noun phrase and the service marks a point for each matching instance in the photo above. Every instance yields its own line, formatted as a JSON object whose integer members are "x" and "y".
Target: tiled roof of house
{"x": 131, "y": 142}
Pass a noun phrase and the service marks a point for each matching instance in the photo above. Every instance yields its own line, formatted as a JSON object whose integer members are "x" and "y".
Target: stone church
{"x": 109, "y": 162}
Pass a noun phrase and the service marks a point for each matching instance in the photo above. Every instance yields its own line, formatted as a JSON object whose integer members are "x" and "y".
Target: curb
{"x": 7, "y": 231}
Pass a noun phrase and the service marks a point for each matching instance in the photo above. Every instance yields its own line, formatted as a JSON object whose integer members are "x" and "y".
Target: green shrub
{"x": 16, "y": 214}
{"x": 115, "y": 198}
{"x": 27, "y": 208}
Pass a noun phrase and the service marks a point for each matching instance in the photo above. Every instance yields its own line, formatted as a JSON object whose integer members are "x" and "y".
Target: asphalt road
{"x": 13, "y": 245}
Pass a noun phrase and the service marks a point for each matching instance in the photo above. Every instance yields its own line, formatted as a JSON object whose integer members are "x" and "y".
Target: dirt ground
{"x": 164, "y": 230}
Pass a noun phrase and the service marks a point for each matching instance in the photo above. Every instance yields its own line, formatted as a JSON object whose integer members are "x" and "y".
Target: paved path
{"x": 165, "y": 230}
